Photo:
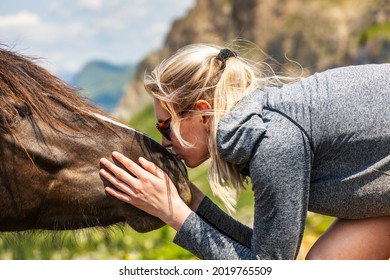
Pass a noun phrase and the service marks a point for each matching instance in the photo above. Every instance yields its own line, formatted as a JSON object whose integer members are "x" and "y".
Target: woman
{"x": 320, "y": 144}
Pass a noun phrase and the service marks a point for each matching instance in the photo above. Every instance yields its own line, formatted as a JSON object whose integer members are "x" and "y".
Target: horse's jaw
{"x": 110, "y": 211}
{"x": 145, "y": 225}
{"x": 80, "y": 218}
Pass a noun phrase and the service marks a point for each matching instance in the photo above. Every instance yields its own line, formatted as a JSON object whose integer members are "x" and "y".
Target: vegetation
{"x": 375, "y": 32}
{"x": 120, "y": 241}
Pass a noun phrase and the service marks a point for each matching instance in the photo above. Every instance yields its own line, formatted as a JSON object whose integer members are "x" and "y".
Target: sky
{"x": 66, "y": 34}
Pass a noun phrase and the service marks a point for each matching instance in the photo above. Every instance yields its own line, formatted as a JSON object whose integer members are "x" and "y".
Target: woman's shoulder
{"x": 241, "y": 128}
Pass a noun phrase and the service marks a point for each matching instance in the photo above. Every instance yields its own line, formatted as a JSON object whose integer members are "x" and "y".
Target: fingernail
{"x": 142, "y": 160}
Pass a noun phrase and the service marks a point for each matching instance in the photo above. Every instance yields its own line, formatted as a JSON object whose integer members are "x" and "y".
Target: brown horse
{"x": 51, "y": 140}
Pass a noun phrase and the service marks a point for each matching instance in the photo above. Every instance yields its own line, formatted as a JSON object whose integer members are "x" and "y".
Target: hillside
{"x": 103, "y": 82}
{"x": 317, "y": 34}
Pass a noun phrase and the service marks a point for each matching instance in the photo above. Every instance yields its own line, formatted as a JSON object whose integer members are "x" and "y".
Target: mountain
{"x": 103, "y": 83}
{"x": 317, "y": 34}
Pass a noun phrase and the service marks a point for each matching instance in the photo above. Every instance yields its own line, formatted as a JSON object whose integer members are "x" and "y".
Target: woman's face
{"x": 193, "y": 129}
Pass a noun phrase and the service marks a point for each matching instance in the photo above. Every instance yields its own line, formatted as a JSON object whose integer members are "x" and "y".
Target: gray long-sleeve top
{"x": 321, "y": 144}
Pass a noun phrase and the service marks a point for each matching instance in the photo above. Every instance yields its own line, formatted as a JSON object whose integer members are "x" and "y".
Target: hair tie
{"x": 224, "y": 54}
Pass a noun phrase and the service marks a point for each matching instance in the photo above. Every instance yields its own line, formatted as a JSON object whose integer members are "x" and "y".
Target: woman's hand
{"x": 149, "y": 189}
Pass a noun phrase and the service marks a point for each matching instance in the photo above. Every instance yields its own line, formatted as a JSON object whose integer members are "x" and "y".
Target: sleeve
{"x": 280, "y": 174}
{"x": 280, "y": 171}
{"x": 215, "y": 216}
{"x": 207, "y": 242}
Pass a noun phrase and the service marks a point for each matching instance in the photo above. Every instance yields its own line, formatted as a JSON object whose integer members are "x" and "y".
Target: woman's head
{"x": 195, "y": 87}
{"x": 193, "y": 73}
{"x": 194, "y": 127}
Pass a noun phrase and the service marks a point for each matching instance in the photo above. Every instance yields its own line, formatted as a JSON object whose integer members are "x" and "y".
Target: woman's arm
{"x": 219, "y": 219}
{"x": 149, "y": 191}
{"x": 215, "y": 216}
{"x": 280, "y": 171}
{"x": 280, "y": 168}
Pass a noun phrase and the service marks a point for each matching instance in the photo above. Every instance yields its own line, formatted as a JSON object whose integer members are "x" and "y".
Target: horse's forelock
{"x": 24, "y": 84}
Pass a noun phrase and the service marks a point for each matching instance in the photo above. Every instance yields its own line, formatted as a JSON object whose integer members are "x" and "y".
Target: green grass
{"x": 121, "y": 242}
{"x": 376, "y": 31}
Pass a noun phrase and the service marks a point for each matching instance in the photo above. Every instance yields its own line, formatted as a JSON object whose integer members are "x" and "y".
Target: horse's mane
{"x": 27, "y": 89}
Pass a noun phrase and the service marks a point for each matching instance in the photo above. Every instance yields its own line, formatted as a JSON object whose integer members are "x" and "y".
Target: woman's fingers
{"x": 123, "y": 185}
{"x": 117, "y": 171}
{"x": 152, "y": 168}
{"x": 118, "y": 195}
{"x": 137, "y": 180}
{"x": 143, "y": 172}
{"x": 137, "y": 170}
{"x": 128, "y": 163}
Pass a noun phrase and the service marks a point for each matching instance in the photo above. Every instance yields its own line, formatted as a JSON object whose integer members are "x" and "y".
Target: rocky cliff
{"x": 317, "y": 34}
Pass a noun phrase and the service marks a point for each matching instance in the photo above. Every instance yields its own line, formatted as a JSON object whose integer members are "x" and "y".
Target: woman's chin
{"x": 193, "y": 164}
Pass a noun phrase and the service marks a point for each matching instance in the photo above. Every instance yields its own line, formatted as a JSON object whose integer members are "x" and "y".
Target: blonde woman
{"x": 320, "y": 144}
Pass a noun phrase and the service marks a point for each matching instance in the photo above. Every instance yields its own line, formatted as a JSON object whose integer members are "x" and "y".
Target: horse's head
{"x": 51, "y": 143}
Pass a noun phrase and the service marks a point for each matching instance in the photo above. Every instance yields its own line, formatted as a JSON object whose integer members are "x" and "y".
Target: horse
{"x": 51, "y": 141}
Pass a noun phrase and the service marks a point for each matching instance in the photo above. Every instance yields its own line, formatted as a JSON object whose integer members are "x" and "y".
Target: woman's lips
{"x": 175, "y": 154}
{"x": 178, "y": 156}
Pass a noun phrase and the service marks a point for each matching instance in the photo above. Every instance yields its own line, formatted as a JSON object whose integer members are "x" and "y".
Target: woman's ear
{"x": 203, "y": 105}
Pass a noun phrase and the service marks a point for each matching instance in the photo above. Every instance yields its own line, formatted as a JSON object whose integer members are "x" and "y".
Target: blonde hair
{"x": 195, "y": 73}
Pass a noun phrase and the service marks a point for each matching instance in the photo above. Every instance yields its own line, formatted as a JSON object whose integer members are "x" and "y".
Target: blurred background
{"x": 105, "y": 47}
